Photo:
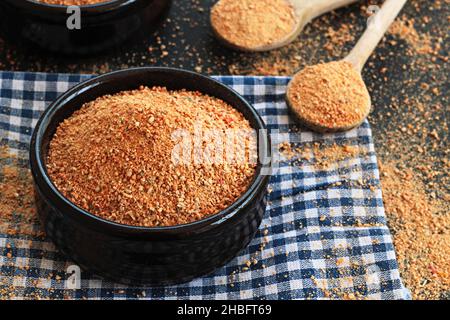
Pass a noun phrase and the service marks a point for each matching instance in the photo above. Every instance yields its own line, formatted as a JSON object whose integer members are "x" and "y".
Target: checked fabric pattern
{"x": 326, "y": 235}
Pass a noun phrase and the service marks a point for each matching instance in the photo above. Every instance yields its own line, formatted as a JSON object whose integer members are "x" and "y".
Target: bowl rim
{"x": 106, "y": 5}
{"x": 39, "y": 171}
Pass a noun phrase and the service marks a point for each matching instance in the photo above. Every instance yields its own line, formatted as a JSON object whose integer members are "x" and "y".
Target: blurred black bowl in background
{"x": 103, "y": 25}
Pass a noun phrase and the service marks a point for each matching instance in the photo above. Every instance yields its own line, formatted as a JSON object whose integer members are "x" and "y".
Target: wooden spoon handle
{"x": 377, "y": 27}
{"x": 311, "y": 9}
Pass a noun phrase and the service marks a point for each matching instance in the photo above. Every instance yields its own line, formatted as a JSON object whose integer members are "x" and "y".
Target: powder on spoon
{"x": 113, "y": 158}
{"x": 329, "y": 95}
{"x": 252, "y": 24}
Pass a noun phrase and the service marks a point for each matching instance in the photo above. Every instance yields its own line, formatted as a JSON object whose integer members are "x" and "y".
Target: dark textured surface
{"x": 185, "y": 40}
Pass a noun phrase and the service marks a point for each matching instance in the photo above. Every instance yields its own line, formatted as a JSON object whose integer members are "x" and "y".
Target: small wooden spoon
{"x": 305, "y": 11}
{"x": 377, "y": 27}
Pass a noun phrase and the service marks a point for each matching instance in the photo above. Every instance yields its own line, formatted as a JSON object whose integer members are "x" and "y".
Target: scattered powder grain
{"x": 17, "y": 207}
{"x": 252, "y": 24}
{"x": 337, "y": 39}
{"x": 73, "y": 2}
{"x": 113, "y": 158}
{"x": 329, "y": 95}
{"x": 404, "y": 28}
{"x": 16, "y": 190}
{"x": 327, "y": 156}
{"x": 421, "y": 232}
{"x": 274, "y": 66}
{"x": 322, "y": 156}
{"x": 285, "y": 148}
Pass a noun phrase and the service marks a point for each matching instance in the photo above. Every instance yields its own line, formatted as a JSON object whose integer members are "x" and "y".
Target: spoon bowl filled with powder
{"x": 331, "y": 97}
{"x": 262, "y": 25}
{"x": 134, "y": 178}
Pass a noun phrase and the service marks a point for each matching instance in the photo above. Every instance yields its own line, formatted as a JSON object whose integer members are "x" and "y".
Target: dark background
{"x": 408, "y": 88}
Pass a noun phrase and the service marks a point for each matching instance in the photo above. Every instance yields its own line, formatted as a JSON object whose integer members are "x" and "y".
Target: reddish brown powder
{"x": 329, "y": 95}
{"x": 17, "y": 209}
{"x": 324, "y": 156}
{"x": 113, "y": 158}
{"x": 421, "y": 232}
{"x": 252, "y": 24}
{"x": 337, "y": 39}
{"x": 404, "y": 28}
{"x": 73, "y": 2}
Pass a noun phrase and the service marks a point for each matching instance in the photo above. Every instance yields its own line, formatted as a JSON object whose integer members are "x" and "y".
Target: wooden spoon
{"x": 305, "y": 12}
{"x": 377, "y": 27}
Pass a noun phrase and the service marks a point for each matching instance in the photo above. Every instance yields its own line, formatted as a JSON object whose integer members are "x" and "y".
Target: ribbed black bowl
{"x": 140, "y": 255}
{"x": 103, "y": 25}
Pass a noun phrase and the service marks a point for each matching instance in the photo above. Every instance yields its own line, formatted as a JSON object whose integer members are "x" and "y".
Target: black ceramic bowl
{"x": 141, "y": 255}
{"x": 103, "y": 25}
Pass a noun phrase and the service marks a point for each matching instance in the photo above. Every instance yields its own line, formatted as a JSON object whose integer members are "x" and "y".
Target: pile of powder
{"x": 113, "y": 158}
{"x": 72, "y": 2}
{"x": 252, "y": 24}
{"x": 331, "y": 95}
{"x": 421, "y": 232}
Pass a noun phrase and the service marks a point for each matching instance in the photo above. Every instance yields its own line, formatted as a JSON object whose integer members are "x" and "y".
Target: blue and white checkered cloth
{"x": 326, "y": 234}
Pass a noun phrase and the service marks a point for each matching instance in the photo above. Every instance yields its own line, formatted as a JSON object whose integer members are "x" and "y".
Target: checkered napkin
{"x": 325, "y": 234}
